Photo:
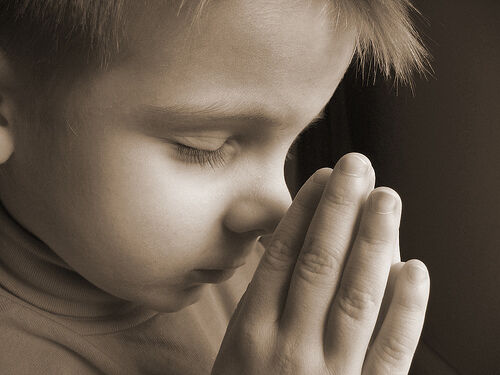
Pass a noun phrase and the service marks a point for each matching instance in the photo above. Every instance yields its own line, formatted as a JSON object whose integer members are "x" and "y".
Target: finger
{"x": 326, "y": 245}
{"x": 386, "y": 300}
{"x": 267, "y": 291}
{"x": 394, "y": 347}
{"x": 396, "y": 267}
{"x": 397, "y": 252}
{"x": 356, "y": 305}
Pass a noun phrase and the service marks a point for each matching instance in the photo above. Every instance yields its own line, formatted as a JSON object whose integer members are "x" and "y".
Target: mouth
{"x": 218, "y": 273}
{"x": 213, "y": 276}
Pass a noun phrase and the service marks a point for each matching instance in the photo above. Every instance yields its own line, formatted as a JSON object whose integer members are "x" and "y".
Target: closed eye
{"x": 214, "y": 158}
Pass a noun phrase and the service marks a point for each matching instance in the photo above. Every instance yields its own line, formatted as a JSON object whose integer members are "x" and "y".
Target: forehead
{"x": 270, "y": 56}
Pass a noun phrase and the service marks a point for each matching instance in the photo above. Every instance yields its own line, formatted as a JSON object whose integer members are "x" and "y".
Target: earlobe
{"x": 6, "y": 142}
{"x": 6, "y": 135}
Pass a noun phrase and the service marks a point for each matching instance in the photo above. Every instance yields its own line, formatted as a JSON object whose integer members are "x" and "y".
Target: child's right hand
{"x": 313, "y": 303}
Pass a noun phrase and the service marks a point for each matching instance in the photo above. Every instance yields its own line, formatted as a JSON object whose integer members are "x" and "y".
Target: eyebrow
{"x": 215, "y": 116}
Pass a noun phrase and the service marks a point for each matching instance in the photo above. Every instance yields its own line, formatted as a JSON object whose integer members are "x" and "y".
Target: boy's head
{"x": 145, "y": 140}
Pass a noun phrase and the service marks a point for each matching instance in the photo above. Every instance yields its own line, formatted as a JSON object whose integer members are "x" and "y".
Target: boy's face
{"x": 116, "y": 198}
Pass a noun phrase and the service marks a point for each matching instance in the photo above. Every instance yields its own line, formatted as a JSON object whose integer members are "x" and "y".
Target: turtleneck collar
{"x": 38, "y": 278}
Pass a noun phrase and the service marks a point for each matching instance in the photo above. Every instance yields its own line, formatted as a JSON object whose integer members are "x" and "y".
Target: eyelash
{"x": 191, "y": 155}
{"x": 216, "y": 158}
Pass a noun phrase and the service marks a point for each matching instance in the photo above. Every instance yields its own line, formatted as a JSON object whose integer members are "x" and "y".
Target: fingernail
{"x": 417, "y": 273}
{"x": 354, "y": 165}
{"x": 382, "y": 202}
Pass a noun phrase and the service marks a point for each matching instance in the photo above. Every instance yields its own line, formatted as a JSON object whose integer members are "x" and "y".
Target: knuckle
{"x": 248, "y": 339}
{"x": 372, "y": 239}
{"x": 285, "y": 360}
{"x": 299, "y": 206}
{"x": 340, "y": 196}
{"x": 295, "y": 357}
{"x": 316, "y": 263}
{"x": 393, "y": 350}
{"x": 246, "y": 333}
{"x": 250, "y": 334}
{"x": 285, "y": 364}
{"x": 356, "y": 303}
{"x": 277, "y": 255}
{"x": 409, "y": 306}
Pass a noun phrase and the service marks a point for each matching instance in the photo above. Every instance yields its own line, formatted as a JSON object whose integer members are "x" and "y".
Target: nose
{"x": 259, "y": 206}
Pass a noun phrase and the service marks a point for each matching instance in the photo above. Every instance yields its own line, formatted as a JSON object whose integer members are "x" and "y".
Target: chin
{"x": 175, "y": 302}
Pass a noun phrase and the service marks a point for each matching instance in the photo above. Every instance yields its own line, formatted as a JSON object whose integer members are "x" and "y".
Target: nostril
{"x": 265, "y": 239}
{"x": 259, "y": 233}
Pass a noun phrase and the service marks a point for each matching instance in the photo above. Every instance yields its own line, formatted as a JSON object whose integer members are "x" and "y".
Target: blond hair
{"x": 49, "y": 34}
{"x": 386, "y": 41}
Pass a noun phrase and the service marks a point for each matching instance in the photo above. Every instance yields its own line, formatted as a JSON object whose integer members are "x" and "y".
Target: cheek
{"x": 155, "y": 219}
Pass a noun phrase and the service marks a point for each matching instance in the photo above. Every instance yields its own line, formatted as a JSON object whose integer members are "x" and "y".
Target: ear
{"x": 6, "y": 109}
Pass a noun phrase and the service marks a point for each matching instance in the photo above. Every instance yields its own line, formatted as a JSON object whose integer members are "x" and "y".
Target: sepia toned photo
{"x": 240, "y": 187}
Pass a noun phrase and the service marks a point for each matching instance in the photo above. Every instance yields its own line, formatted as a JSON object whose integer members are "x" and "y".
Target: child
{"x": 142, "y": 146}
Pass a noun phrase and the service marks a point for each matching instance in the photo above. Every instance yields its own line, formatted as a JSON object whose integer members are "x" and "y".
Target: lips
{"x": 213, "y": 276}
{"x": 228, "y": 267}
{"x": 224, "y": 267}
{"x": 219, "y": 273}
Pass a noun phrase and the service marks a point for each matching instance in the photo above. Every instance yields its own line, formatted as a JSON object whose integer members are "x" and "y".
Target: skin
{"x": 313, "y": 304}
{"x": 115, "y": 201}
{"x": 135, "y": 218}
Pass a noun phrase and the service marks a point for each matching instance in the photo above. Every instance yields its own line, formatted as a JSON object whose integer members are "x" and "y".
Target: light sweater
{"x": 53, "y": 321}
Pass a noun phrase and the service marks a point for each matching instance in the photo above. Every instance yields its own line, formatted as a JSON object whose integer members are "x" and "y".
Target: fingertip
{"x": 416, "y": 271}
{"x": 359, "y": 155}
{"x": 321, "y": 176}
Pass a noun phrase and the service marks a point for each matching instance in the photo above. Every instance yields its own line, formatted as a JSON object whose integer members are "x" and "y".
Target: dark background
{"x": 439, "y": 148}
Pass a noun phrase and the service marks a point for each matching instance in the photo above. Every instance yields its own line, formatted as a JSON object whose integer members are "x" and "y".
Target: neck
{"x": 33, "y": 273}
